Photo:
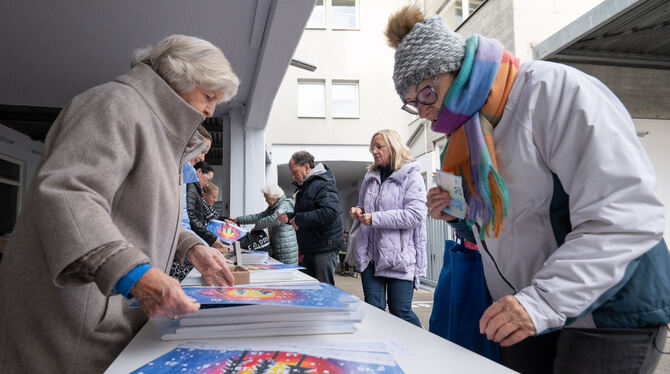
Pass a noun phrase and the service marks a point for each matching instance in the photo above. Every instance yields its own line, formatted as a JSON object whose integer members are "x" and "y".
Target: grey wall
{"x": 644, "y": 92}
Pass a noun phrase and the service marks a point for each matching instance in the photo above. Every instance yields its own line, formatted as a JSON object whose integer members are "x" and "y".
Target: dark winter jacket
{"x": 211, "y": 213}
{"x": 318, "y": 212}
{"x": 197, "y": 212}
{"x": 282, "y": 236}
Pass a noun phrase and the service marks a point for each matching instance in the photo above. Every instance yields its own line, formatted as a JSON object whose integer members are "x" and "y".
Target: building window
{"x": 318, "y": 18}
{"x": 311, "y": 98}
{"x": 345, "y": 99}
{"x": 464, "y": 8}
{"x": 344, "y": 14}
{"x": 11, "y": 173}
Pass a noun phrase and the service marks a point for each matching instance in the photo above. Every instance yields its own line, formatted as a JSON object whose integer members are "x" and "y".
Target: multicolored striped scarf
{"x": 471, "y": 109}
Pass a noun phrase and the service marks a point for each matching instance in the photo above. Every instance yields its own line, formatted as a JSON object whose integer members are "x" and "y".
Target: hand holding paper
{"x": 452, "y": 184}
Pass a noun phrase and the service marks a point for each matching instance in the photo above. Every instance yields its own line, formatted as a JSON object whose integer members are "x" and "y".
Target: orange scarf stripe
{"x": 457, "y": 157}
{"x": 502, "y": 85}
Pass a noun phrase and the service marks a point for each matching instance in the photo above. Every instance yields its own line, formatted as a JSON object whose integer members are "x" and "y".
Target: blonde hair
{"x": 187, "y": 62}
{"x": 210, "y": 188}
{"x": 399, "y": 151}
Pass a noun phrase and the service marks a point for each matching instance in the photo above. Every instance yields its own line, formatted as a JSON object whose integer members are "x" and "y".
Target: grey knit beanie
{"x": 431, "y": 48}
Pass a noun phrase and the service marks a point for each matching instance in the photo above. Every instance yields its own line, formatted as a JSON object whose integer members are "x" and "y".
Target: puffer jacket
{"x": 396, "y": 240}
{"x": 318, "y": 213}
{"x": 282, "y": 236}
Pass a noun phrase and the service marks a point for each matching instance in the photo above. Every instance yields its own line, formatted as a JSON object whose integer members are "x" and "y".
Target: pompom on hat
{"x": 425, "y": 47}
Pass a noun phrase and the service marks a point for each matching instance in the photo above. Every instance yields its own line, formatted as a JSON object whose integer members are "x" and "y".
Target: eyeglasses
{"x": 378, "y": 147}
{"x": 427, "y": 96}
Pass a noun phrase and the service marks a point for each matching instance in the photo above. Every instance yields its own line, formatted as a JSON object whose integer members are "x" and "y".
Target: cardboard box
{"x": 240, "y": 274}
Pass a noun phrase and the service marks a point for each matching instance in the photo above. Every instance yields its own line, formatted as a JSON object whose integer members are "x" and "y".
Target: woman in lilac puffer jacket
{"x": 390, "y": 249}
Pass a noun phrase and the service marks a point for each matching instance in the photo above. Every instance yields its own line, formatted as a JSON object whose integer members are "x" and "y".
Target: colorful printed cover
{"x": 322, "y": 296}
{"x": 226, "y": 232}
{"x": 272, "y": 267}
{"x": 203, "y": 359}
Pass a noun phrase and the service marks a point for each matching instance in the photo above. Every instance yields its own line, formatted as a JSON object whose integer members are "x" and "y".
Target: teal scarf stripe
{"x": 466, "y": 68}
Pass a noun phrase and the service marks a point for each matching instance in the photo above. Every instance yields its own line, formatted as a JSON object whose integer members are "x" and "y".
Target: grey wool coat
{"x": 105, "y": 198}
{"x": 282, "y": 236}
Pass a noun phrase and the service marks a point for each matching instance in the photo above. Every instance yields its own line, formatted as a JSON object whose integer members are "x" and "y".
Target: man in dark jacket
{"x": 317, "y": 221}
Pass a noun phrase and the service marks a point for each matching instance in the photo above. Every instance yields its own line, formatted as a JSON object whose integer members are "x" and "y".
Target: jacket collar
{"x": 179, "y": 119}
{"x": 319, "y": 171}
{"x": 397, "y": 175}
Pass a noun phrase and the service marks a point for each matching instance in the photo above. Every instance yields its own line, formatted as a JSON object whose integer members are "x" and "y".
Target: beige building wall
{"x": 360, "y": 55}
{"x": 633, "y": 87}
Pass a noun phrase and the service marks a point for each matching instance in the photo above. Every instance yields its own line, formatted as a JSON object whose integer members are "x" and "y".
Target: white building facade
{"x": 333, "y": 111}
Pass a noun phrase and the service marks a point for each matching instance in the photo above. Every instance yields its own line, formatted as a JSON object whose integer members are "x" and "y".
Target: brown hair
{"x": 203, "y": 131}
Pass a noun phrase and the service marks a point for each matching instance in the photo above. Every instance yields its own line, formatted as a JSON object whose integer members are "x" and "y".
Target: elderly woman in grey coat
{"x": 93, "y": 232}
{"x": 282, "y": 236}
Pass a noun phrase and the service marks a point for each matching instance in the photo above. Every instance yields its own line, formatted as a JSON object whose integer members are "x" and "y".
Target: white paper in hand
{"x": 452, "y": 184}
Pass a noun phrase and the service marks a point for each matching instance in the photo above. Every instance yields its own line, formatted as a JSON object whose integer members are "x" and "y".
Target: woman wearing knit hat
{"x": 561, "y": 196}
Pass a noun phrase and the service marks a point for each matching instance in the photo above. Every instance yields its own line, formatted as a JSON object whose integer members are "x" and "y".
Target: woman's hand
{"x": 506, "y": 322}
{"x": 211, "y": 264}
{"x": 355, "y": 213}
{"x": 232, "y": 220}
{"x": 218, "y": 244}
{"x": 292, "y": 222}
{"x": 160, "y": 295}
{"x": 437, "y": 200}
{"x": 283, "y": 218}
{"x": 366, "y": 219}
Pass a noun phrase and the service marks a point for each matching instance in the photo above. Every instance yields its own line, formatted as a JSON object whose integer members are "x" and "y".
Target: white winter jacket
{"x": 563, "y": 128}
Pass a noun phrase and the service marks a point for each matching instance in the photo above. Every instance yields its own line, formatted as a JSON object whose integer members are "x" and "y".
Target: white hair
{"x": 187, "y": 62}
{"x": 273, "y": 191}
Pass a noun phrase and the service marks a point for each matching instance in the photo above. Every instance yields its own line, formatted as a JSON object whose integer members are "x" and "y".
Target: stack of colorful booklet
{"x": 265, "y": 274}
{"x": 343, "y": 358}
{"x": 248, "y": 257}
{"x": 272, "y": 272}
{"x": 296, "y": 309}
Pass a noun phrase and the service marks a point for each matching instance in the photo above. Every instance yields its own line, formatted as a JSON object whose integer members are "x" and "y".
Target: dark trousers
{"x": 588, "y": 351}
{"x": 320, "y": 266}
{"x": 400, "y": 294}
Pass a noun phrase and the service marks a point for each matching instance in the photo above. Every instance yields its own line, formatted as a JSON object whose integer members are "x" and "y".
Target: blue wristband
{"x": 127, "y": 282}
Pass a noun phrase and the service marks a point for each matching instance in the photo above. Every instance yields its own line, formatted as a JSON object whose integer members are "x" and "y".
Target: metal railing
{"x": 437, "y": 231}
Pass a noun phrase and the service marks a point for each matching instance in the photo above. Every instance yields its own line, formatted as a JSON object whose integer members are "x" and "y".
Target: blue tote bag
{"x": 461, "y": 297}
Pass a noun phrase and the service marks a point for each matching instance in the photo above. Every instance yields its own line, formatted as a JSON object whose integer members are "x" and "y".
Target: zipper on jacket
{"x": 486, "y": 249}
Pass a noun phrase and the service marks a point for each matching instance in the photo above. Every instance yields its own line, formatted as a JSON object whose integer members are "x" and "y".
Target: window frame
{"x": 313, "y": 81}
{"x": 357, "y": 16}
{"x": 328, "y": 18}
{"x": 344, "y": 82}
{"x": 325, "y": 17}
